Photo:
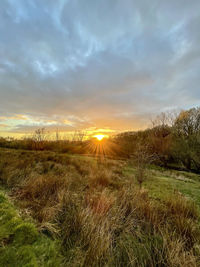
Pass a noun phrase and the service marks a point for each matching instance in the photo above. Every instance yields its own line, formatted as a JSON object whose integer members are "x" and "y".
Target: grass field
{"x": 162, "y": 183}
{"x": 63, "y": 210}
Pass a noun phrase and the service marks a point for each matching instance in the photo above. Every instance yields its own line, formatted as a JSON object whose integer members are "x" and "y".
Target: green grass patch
{"x": 20, "y": 242}
{"x": 162, "y": 183}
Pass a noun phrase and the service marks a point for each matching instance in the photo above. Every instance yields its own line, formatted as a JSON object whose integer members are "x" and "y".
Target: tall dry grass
{"x": 101, "y": 217}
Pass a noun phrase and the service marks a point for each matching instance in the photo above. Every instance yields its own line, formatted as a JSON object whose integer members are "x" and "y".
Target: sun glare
{"x": 99, "y": 136}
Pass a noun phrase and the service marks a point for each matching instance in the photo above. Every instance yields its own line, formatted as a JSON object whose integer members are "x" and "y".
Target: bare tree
{"x": 78, "y": 136}
{"x": 165, "y": 119}
{"x": 141, "y": 160}
{"x": 39, "y": 138}
{"x": 57, "y": 135}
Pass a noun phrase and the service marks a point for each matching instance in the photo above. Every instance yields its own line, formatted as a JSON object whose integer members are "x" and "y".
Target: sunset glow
{"x": 80, "y": 69}
{"x": 99, "y": 136}
{"x": 99, "y": 133}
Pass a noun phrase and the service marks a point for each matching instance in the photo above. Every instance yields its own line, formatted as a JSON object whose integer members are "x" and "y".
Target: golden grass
{"x": 101, "y": 220}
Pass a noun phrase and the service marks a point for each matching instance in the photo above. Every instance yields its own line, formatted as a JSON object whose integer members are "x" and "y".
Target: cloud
{"x": 3, "y": 125}
{"x": 91, "y": 62}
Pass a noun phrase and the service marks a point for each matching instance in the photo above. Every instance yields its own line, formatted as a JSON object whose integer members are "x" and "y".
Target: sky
{"x": 96, "y": 65}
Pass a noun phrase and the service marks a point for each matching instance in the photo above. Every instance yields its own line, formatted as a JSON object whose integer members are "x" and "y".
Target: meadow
{"x": 62, "y": 209}
{"x": 99, "y": 133}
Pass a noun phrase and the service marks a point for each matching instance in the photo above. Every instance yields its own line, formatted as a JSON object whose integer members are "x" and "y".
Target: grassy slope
{"x": 102, "y": 216}
{"x": 162, "y": 183}
{"x": 20, "y": 242}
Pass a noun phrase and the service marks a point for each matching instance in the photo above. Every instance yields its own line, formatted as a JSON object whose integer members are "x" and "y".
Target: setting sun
{"x": 99, "y": 136}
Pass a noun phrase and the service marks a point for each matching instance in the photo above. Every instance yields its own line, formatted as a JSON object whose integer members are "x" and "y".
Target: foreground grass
{"x": 20, "y": 242}
{"x": 99, "y": 214}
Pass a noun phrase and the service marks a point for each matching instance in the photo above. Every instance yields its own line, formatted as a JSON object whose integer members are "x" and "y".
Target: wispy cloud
{"x": 104, "y": 64}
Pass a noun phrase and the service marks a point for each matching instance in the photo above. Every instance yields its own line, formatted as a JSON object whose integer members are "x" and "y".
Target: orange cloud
{"x": 3, "y": 125}
{"x": 15, "y": 117}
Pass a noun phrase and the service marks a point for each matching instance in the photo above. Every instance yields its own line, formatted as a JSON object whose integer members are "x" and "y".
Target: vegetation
{"x": 58, "y": 208}
{"x": 97, "y": 211}
{"x": 173, "y": 141}
{"x": 20, "y": 242}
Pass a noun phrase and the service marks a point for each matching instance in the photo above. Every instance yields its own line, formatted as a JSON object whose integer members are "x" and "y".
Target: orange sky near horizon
{"x": 20, "y": 126}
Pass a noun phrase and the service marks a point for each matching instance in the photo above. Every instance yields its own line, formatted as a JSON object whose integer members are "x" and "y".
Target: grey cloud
{"x": 96, "y": 59}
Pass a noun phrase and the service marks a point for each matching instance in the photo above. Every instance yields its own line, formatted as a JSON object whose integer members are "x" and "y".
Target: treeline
{"x": 174, "y": 140}
{"x": 40, "y": 141}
